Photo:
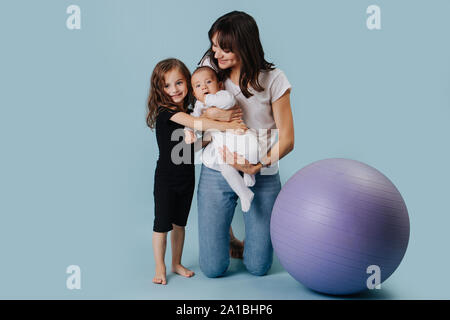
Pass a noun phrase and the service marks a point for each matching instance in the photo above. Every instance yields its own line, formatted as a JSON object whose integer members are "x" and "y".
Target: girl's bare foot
{"x": 236, "y": 248}
{"x": 160, "y": 275}
{"x": 182, "y": 271}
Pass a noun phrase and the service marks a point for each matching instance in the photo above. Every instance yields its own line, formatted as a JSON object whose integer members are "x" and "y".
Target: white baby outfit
{"x": 257, "y": 113}
{"x": 246, "y": 145}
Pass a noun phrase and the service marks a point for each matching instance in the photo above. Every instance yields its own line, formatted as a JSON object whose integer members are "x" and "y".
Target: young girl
{"x": 168, "y": 102}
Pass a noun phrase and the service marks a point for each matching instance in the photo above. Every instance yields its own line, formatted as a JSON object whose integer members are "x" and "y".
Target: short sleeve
{"x": 164, "y": 114}
{"x": 279, "y": 85}
{"x": 222, "y": 100}
{"x": 198, "y": 109}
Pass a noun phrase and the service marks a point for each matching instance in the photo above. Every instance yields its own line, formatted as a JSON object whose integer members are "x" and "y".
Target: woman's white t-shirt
{"x": 257, "y": 110}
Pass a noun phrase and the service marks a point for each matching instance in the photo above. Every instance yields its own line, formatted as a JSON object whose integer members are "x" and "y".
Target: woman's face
{"x": 225, "y": 58}
{"x": 175, "y": 86}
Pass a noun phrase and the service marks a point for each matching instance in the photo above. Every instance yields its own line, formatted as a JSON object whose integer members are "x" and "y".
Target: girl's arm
{"x": 232, "y": 114}
{"x": 203, "y": 124}
{"x": 283, "y": 118}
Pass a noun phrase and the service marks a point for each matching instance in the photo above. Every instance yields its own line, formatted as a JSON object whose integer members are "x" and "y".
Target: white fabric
{"x": 245, "y": 145}
{"x": 222, "y": 99}
{"x": 238, "y": 185}
{"x": 257, "y": 110}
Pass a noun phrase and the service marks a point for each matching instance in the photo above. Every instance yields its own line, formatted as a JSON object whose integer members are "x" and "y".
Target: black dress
{"x": 174, "y": 174}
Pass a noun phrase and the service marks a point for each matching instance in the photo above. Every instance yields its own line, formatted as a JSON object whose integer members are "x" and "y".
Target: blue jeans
{"x": 216, "y": 204}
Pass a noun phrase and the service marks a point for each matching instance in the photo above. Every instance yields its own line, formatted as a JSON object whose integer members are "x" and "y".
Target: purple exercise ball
{"x": 333, "y": 219}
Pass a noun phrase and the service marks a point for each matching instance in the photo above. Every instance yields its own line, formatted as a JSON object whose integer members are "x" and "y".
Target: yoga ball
{"x": 339, "y": 227}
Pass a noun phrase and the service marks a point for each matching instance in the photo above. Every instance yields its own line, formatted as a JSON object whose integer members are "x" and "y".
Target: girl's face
{"x": 175, "y": 86}
{"x": 225, "y": 58}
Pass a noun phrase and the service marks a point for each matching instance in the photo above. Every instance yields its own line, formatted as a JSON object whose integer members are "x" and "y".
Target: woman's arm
{"x": 283, "y": 118}
{"x": 282, "y": 114}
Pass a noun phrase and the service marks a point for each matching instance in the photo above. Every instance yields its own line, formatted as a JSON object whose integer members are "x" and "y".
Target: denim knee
{"x": 213, "y": 270}
{"x": 258, "y": 268}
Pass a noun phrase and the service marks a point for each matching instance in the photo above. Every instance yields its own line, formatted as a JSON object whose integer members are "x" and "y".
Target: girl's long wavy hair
{"x": 158, "y": 98}
{"x": 238, "y": 32}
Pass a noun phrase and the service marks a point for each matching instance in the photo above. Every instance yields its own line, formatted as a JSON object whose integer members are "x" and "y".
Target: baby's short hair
{"x": 205, "y": 68}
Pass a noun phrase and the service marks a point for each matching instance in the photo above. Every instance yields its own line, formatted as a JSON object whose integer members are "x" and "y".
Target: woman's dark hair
{"x": 157, "y": 97}
{"x": 237, "y": 31}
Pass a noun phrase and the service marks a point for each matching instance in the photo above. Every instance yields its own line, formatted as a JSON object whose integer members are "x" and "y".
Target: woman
{"x": 263, "y": 93}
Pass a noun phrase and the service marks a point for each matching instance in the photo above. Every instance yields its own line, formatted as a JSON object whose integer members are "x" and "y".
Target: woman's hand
{"x": 232, "y": 114}
{"x": 238, "y": 162}
{"x": 238, "y": 126}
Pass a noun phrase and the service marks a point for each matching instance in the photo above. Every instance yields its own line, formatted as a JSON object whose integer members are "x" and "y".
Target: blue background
{"x": 77, "y": 160}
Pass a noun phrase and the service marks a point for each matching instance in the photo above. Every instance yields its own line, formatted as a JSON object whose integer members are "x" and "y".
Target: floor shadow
{"x": 276, "y": 267}
{"x": 381, "y": 294}
{"x": 236, "y": 266}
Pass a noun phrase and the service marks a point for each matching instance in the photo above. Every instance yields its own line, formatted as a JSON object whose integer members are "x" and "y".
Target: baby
{"x": 208, "y": 92}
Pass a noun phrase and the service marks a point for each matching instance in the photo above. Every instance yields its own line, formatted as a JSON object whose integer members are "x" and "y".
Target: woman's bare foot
{"x": 236, "y": 248}
{"x": 160, "y": 275}
{"x": 182, "y": 271}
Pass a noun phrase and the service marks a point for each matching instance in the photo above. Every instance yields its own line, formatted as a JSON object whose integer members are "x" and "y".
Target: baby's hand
{"x": 189, "y": 137}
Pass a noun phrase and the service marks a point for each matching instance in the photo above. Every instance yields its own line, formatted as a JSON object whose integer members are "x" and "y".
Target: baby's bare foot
{"x": 182, "y": 271}
{"x": 236, "y": 248}
{"x": 160, "y": 275}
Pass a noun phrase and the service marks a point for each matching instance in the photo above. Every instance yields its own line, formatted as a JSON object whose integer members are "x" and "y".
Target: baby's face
{"x": 204, "y": 82}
